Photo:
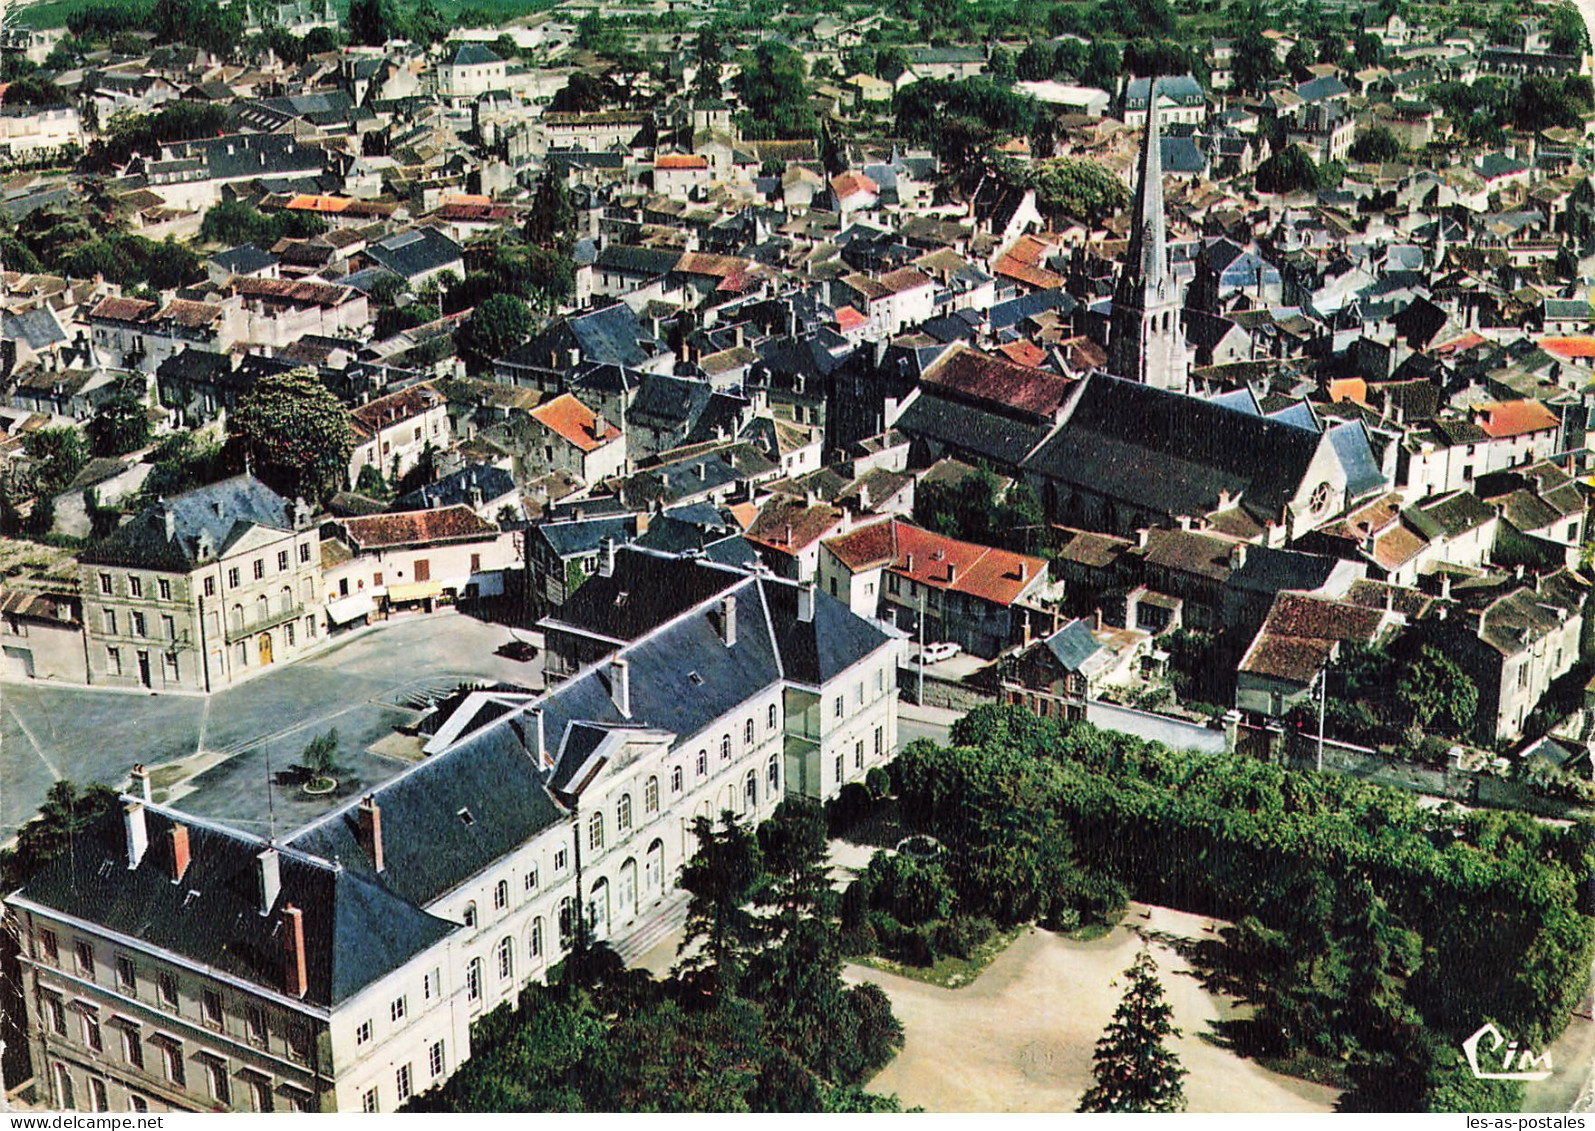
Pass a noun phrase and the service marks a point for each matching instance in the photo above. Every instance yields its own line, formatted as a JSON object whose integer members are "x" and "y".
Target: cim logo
{"x": 1515, "y": 1063}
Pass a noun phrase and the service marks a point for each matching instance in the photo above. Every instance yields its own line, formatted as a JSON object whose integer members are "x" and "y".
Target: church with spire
{"x": 1146, "y": 341}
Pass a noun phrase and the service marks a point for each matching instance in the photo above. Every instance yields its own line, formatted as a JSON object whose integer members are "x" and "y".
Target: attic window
{"x": 620, "y": 598}
{"x": 465, "y": 815}
{"x": 695, "y": 679}
{"x": 190, "y": 897}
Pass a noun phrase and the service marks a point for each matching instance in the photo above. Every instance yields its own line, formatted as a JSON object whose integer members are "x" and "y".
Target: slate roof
{"x": 38, "y": 328}
{"x": 1173, "y": 453}
{"x": 356, "y": 932}
{"x": 971, "y": 429}
{"x": 474, "y": 55}
{"x": 452, "y": 490}
{"x": 1073, "y": 645}
{"x": 222, "y": 513}
{"x": 645, "y": 591}
{"x": 245, "y": 259}
{"x": 586, "y": 535}
{"x": 415, "y": 252}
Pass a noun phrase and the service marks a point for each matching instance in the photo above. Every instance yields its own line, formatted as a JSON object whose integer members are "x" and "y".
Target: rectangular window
{"x": 396, "y": 1010}
{"x": 473, "y": 980}
{"x": 432, "y": 985}
{"x": 838, "y": 767}
{"x": 210, "y": 587}
{"x": 232, "y": 578}
{"x": 216, "y": 1074}
{"x": 362, "y": 1035}
{"x": 97, "y": 1097}
{"x": 368, "y": 1102}
{"x": 168, "y": 626}
{"x": 838, "y": 706}
{"x": 435, "y": 1059}
{"x": 168, "y": 985}
{"x": 376, "y": 579}
{"x": 304, "y": 554}
{"x": 169, "y": 666}
{"x": 423, "y": 569}
{"x": 858, "y": 754}
{"x": 165, "y": 588}
{"x": 771, "y": 723}
{"x": 255, "y": 1016}
{"x": 288, "y": 631}
{"x": 298, "y": 1041}
{"x": 401, "y": 1081}
{"x": 132, "y": 1047}
{"x": 282, "y": 560}
{"x": 879, "y": 737}
{"x": 135, "y": 586}
{"x": 105, "y": 584}
{"x": 138, "y": 624}
{"x": 560, "y": 859}
{"x": 110, "y": 622}
{"x": 260, "y": 568}
{"x": 126, "y": 976}
{"x": 113, "y": 661}
{"x": 84, "y": 953}
{"x": 530, "y": 883}
{"x": 172, "y": 1058}
{"x": 57, "y": 1014}
{"x": 476, "y": 563}
{"x": 49, "y": 947}
{"x": 260, "y": 1093}
{"x": 211, "y": 1004}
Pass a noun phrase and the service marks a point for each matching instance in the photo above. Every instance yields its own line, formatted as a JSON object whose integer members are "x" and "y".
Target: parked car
{"x": 518, "y": 650}
{"x": 936, "y": 653}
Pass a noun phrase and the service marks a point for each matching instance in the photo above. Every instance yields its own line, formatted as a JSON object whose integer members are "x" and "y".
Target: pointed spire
{"x": 1148, "y": 248}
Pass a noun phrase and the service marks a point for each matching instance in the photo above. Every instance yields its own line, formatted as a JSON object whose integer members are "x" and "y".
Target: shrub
{"x": 911, "y": 890}
{"x": 960, "y": 935}
{"x": 878, "y": 782}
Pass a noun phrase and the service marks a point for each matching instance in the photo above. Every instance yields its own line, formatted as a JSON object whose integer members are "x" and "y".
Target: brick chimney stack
{"x": 369, "y": 818}
{"x": 268, "y": 869}
{"x": 178, "y": 837}
{"x": 620, "y": 685}
{"x": 728, "y": 620}
{"x": 295, "y": 980}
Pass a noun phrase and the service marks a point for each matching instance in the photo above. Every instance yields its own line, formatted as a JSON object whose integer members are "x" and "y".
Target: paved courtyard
{"x": 1020, "y": 1036}
{"x": 211, "y": 755}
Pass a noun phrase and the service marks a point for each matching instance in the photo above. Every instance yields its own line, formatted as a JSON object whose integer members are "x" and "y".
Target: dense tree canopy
{"x": 296, "y": 432}
{"x": 499, "y": 324}
{"x": 774, "y": 87}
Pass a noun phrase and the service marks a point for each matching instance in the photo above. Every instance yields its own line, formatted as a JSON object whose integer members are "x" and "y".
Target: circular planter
{"x": 319, "y": 787}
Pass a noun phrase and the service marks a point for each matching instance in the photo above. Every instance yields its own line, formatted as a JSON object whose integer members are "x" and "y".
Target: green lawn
{"x": 949, "y": 972}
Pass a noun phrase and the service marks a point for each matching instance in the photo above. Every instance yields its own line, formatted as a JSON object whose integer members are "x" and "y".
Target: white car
{"x": 936, "y": 653}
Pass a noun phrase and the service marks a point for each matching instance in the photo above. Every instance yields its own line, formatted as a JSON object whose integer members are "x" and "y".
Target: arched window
{"x": 534, "y": 947}
{"x": 623, "y": 814}
{"x": 506, "y": 957}
{"x": 750, "y": 789}
{"x": 725, "y": 747}
{"x": 703, "y": 763}
{"x": 238, "y": 616}
{"x": 595, "y": 831}
{"x": 675, "y": 780}
{"x": 650, "y": 797}
{"x": 567, "y": 921}
{"x": 747, "y": 733}
{"x": 773, "y": 772}
{"x": 501, "y": 895}
{"x": 473, "y": 980}
{"x": 470, "y": 914}
{"x": 287, "y": 598}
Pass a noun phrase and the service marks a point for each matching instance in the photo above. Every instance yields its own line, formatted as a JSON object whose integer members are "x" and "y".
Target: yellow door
{"x": 265, "y": 648}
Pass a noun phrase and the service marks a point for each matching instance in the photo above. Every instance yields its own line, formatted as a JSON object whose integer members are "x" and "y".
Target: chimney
{"x": 178, "y": 835}
{"x": 369, "y": 830}
{"x": 1445, "y": 587}
{"x": 952, "y": 572}
{"x": 138, "y": 834}
{"x": 606, "y": 566}
{"x": 268, "y": 866}
{"x": 1141, "y": 537}
{"x": 541, "y": 738}
{"x": 1096, "y": 620}
{"x": 909, "y": 563}
{"x": 1517, "y": 572}
{"x": 806, "y": 604}
{"x": 863, "y": 497}
{"x": 294, "y": 978}
{"x": 728, "y": 620}
{"x": 141, "y": 781}
{"x": 1237, "y": 557}
{"x": 620, "y": 685}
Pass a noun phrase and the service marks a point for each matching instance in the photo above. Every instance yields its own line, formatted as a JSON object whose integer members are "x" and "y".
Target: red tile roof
{"x": 575, "y": 422}
{"x": 849, "y": 319}
{"x": 386, "y": 411}
{"x": 791, "y": 524}
{"x": 682, "y": 161}
{"x": 939, "y": 562}
{"x": 1580, "y": 348}
{"x": 845, "y": 185}
{"x": 124, "y": 309}
{"x": 410, "y": 528}
{"x": 974, "y": 375}
{"x": 1514, "y": 418}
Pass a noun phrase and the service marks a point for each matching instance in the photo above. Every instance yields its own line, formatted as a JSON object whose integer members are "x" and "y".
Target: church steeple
{"x": 1145, "y": 339}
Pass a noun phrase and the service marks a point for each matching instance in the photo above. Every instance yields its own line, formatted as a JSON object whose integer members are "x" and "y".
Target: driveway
{"x": 1020, "y": 1036}
{"x": 211, "y": 755}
